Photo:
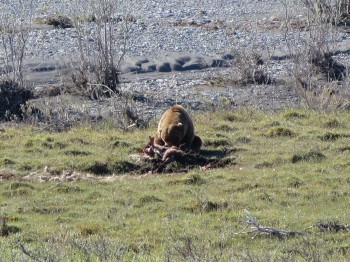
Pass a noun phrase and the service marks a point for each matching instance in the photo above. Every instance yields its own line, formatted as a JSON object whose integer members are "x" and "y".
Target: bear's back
{"x": 176, "y": 127}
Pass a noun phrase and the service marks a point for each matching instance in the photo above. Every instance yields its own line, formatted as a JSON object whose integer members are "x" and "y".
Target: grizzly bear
{"x": 175, "y": 128}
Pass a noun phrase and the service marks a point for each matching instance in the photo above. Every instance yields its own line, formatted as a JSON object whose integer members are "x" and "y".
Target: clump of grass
{"x": 29, "y": 143}
{"x": 17, "y": 192}
{"x": 79, "y": 141}
{"x": 49, "y": 139}
{"x": 230, "y": 117}
{"x": 77, "y": 152}
{"x": 225, "y": 128}
{"x": 48, "y": 210}
{"x": 194, "y": 179}
{"x": 344, "y": 149}
{"x": 16, "y": 185}
{"x": 150, "y": 199}
{"x": 264, "y": 164}
{"x": 217, "y": 142}
{"x": 275, "y": 123}
{"x": 294, "y": 114}
{"x": 328, "y": 136}
{"x": 334, "y": 123}
{"x": 67, "y": 189}
{"x": 280, "y": 131}
{"x": 5, "y": 229}
{"x": 268, "y": 197}
{"x": 295, "y": 182}
{"x": 206, "y": 206}
{"x": 6, "y": 162}
{"x": 60, "y": 145}
{"x": 49, "y": 143}
{"x": 309, "y": 156}
{"x": 89, "y": 229}
{"x": 243, "y": 140}
{"x": 120, "y": 143}
{"x": 214, "y": 206}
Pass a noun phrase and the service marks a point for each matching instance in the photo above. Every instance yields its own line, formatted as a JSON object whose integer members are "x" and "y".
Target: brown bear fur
{"x": 176, "y": 128}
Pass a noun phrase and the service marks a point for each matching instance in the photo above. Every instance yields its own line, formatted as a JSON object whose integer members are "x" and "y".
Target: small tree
{"x": 15, "y": 25}
{"x": 312, "y": 52}
{"x": 101, "y": 46}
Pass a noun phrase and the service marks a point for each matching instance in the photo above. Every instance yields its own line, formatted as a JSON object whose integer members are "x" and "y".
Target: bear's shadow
{"x": 214, "y": 153}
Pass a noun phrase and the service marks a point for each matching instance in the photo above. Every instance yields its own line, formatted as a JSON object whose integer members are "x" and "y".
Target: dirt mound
{"x": 163, "y": 159}
{"x": 185, "y": 161}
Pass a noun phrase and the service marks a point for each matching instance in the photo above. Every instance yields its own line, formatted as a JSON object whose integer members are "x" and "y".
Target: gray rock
{"x": 164, "y": 67}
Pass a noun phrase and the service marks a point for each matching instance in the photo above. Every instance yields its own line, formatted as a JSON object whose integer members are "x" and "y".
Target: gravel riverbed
{"x": 206, "y": 27}
{"x": 197, "y": 32}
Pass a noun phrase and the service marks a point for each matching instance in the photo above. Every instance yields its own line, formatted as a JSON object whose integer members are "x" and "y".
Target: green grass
{"x": 287, "y": 180}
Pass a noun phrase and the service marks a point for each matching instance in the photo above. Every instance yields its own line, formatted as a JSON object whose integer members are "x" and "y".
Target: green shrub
{"x": 148, "y": 200}
{"x": 309, "y": 156}
{"x": 243, "y": 140}
{"x": 334, "y": 123}
{"x": 89, "y": 229}
{"x": 217, "y": 142}
{"x": 6, "y": 162}
{"x": 194, "y": 179}
{"x": 279, "y": 131}
{"x": 294, "y": 114}
{"x": 330, "y": 136}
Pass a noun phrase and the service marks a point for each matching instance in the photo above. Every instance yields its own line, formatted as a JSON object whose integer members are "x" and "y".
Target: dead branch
{"x": 327, "y": 226}
{"x": 263, "y": 230}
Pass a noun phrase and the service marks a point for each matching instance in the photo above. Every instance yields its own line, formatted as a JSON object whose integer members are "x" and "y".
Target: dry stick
{"x": 262, "y": 230}
{"x": 256, "y": 227}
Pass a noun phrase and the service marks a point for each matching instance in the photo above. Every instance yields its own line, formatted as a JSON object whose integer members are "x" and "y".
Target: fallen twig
{"x": 263, "y": 230}
{"x": 257, "y": 228}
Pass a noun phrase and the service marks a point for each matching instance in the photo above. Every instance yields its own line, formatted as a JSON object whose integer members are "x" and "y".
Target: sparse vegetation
{"x": 279, "y": 131}
{"x": 96, "y": 74}
{"x": 315, "y": 71}
{"x": 15, "y": 25}
{"x": 252, "y": 69}
{"x": 308, "y": 156}
{"x": 252, "y": 63}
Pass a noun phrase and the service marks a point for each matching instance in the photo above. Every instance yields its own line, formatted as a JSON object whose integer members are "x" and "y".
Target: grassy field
{"x": 292, "y": 171}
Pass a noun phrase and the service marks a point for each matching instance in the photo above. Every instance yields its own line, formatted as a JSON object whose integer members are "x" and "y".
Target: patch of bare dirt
{"x": 164, "y": 159}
